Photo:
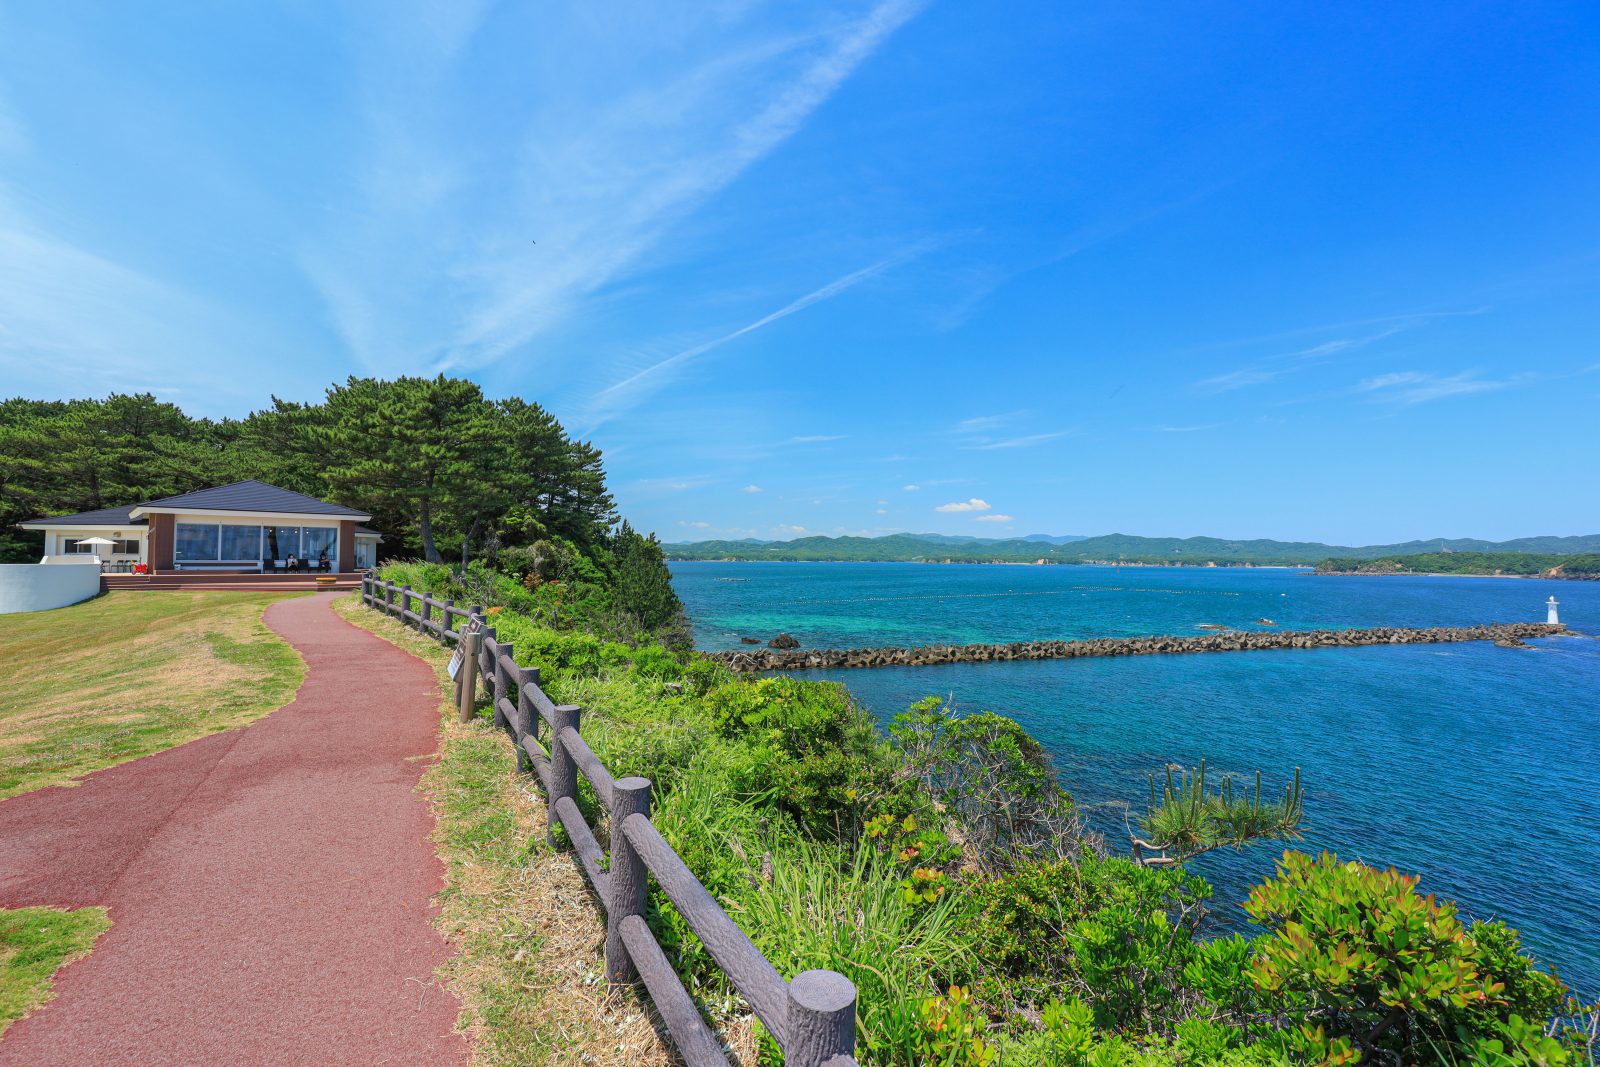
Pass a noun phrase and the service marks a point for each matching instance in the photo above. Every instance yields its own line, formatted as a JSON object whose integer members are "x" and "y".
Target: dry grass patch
{"x": 131, "y": 673}
{"x": 529, "y": 935}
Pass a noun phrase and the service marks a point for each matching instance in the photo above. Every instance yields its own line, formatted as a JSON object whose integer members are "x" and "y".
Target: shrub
{"x": 1114, "y": 934}
{"x": 810, "y": 749}
{"x": 992, "y": 779}
{"x": 1368, "y": 966}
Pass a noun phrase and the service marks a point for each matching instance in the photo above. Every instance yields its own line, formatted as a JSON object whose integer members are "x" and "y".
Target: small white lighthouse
{"x": 1551, "y": 616}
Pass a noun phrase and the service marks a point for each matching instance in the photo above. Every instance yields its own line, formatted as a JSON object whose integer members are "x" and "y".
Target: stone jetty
{"x": 1227, "y": 641}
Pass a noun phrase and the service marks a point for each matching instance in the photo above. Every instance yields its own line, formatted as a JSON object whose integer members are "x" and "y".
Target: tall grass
{"x": 844, "y": 910}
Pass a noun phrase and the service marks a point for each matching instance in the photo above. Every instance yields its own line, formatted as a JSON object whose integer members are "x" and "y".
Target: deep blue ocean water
{"x": 1474, "y": 766}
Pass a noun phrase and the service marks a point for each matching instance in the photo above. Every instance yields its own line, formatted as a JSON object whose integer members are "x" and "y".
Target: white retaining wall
{"x": 35, "y": 587}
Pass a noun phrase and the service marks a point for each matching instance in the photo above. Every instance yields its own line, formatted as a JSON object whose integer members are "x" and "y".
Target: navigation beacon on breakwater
{"x": 1551, "y": 616}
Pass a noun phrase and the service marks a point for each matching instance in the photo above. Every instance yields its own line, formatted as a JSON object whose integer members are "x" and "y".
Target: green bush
{"x": 1107, "y": 931}
{"x": 810, "y": 750}
{"x": 993, "y": 781}
{"x": 1369, "y": 967}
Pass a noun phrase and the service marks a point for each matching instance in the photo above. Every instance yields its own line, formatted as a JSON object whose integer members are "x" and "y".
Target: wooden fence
{"x": 812, "y": 1017}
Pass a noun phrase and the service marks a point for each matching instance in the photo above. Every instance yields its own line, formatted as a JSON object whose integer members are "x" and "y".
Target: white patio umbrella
{"x": 96, "y": 542}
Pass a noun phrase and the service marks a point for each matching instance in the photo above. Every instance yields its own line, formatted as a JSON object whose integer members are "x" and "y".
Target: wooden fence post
{"x": 427, "y": 613}
{"x": 502, "y": 682}
{"x": 487, "y": 647}
{"x": 822, "y": 1018}
{"x": 388, "y": 598}
{"x": 563, "y": 771}
{"x": 467, "y": 676}
{"x": 630, "y": 883}
{"x": 405, "y": 604}
{"x": 445, "y": 620}
{"x": 366, "y": 590}
{"x": 528, "y": 712}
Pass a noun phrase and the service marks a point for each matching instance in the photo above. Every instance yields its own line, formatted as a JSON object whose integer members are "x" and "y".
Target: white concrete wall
{"x": 31, "y": 587}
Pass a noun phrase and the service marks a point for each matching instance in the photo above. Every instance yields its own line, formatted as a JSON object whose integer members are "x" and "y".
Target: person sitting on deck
{"x": 292, "y": 563}
{"x": 322, "y": 560}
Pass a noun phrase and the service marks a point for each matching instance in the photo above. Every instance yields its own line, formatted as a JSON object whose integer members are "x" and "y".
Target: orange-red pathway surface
{"x": 268, "y": 886}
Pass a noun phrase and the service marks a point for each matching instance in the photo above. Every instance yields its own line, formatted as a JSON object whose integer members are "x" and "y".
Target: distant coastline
{"x": 1447, "y": 556}
{"x": 1579, "y": 568}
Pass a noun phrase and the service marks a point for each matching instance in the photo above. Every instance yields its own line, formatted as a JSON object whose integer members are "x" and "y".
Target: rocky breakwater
{"x": 1228, "y": 641}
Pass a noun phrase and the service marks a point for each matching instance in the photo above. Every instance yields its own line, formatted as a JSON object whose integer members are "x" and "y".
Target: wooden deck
{"x": 247, "y": 580}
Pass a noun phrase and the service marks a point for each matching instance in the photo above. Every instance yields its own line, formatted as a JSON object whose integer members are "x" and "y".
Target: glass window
{"x": 195, "y": 543}
{"x": 118, "y": 547}
{"x": 241, "y": 543}
{"x": 320, "y": 542}
{"x": 281, "y": 542}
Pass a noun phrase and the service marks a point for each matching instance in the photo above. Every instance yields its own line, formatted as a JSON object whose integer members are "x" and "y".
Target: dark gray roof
{"x": 102, "y": 517}
{"x": 254, "y": 496}
{"x": 369, "y": 532}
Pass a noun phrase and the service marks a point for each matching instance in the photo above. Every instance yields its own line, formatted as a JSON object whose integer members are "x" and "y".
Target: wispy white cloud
{"x": 74, "y": 321}
{"x": 752, "y": 489}
{"x": 1406, "y": 388}
{"x": 1187, "y": 429}
{"x": 605, "y": 159}
{"x": 790, "y": 529}
{"x": 987, "y": 423}
{"x": 696, "y": 525}
{"x": 1026, "y": 441}
{"x": 975, "y": 504}
{"x": 996, "y": 518}
{"x": 631, "y": 390}
{"x": 1271, "y": 368}
{"x": 816, "y": 438}
{"x": 910, "y": 488}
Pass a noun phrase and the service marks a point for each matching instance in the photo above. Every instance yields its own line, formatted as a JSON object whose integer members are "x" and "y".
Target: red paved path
{"x": 269, "y": 886}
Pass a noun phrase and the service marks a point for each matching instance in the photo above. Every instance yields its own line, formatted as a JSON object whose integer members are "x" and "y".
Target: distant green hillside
{"x": 1522, "y": 563}
{"x": 1109, "y": 548}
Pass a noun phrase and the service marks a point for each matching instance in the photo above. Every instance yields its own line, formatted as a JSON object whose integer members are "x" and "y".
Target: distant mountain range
{"x": 1107, "y": 548}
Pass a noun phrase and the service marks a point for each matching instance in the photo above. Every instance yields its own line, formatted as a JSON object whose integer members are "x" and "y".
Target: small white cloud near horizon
{"x": 696, "y": 525}
{"x": 964, "y": 505}
{"x": 789, "y": 528}
{"x": 752, "y": 489}
{"x": 910, "y": 488}
{"x": 996, "y": 518}
{"x": 816, "y": 438}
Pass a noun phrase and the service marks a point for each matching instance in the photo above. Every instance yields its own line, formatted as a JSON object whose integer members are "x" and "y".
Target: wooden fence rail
{"x": 812, "y": 1017}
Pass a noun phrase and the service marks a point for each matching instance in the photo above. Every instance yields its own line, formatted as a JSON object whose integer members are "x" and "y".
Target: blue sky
{"x": 1246, "y": 269}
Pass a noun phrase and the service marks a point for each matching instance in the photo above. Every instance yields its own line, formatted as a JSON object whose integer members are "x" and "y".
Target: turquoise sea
{"x": 1474, "y": 766}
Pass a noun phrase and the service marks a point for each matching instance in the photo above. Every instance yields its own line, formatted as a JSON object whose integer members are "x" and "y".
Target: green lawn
{"x": 34, "y": 944}
{"x": 131, "y": 673}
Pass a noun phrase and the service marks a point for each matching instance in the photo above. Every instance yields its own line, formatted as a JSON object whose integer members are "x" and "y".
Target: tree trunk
{"x": 466, "y": 542}
{"x": 425, "y": 528}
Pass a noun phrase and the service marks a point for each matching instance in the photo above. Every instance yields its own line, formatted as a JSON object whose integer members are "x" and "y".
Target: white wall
{"x": 31, "y": 587}
{"x": 55, "y": 540}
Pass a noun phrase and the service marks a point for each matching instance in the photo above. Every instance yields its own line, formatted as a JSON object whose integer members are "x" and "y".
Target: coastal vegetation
{"x": 1124, "y": 549}
{"x": 131, "y": 673}
{"x": 939, "y": 864}
{"x": 1581, "y": 567}
{"x": 442, "y": 469}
